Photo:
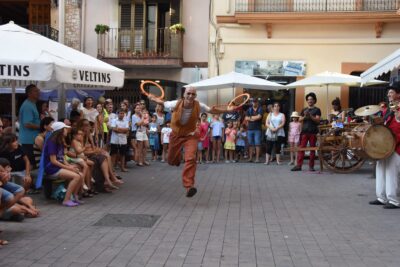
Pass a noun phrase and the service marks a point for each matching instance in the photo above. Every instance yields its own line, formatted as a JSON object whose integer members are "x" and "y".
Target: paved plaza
{"x": 243, "y": 215}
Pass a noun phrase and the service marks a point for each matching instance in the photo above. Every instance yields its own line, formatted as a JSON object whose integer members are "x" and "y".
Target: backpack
{"x": 59, "y": 193}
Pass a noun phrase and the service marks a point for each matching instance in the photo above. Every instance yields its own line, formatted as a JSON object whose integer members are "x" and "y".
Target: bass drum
{"x": 372, "y": 141}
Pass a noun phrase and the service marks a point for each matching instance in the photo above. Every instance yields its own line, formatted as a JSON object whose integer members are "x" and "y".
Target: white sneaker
{"x": 227, "y": 161}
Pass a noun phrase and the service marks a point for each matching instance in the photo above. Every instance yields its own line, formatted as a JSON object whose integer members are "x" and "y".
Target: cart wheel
{"x": 339, "y": 157}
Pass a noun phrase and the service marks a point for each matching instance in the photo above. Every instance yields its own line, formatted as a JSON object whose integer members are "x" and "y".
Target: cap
{"x": 295, "y": 114}
{"x": 58, "y": 125}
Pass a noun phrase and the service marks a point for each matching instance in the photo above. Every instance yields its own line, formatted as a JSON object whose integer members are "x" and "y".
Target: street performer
{"x": 186, "y": 112}
{"x": 310, "y": 116}
{"x": 387, "y": 170}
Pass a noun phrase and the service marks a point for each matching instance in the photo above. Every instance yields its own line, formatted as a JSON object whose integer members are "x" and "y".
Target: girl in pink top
{"x": 204, "y": 128}
{"x": 294, "y": 136}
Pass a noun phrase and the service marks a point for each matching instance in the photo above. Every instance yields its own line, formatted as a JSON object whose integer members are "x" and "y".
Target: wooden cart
{"x": 345, "y": 150}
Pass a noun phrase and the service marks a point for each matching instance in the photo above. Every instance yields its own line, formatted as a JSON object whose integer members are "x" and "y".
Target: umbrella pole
{"x": 327, "y": 100}
{"x": 13, "y": 106}
{"x": 61, "y": 102}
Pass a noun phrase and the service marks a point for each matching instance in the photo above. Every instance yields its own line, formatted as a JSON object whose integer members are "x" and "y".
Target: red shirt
{"x": 394, "y": 126}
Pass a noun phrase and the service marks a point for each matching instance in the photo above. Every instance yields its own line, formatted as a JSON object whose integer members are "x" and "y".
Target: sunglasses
{"x": 194, "y": 94}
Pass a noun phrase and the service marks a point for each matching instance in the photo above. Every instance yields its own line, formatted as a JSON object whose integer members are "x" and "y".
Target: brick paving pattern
{"x": 243, "y": 215}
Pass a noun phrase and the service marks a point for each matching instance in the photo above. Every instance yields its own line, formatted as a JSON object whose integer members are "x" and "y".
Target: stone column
{"x": 73, "y": 16}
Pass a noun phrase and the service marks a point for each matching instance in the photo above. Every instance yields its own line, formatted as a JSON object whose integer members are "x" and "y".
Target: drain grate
{"x": 128, "y": 220}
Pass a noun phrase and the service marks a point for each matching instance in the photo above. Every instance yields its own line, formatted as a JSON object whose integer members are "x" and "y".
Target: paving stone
{"x": 243, "y": 215}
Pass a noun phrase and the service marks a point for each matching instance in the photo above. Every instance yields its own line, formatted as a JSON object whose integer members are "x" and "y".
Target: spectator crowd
{"x": 77, "y": 157}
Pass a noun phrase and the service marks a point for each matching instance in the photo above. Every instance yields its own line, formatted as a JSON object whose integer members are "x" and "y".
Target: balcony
{"x": 141, "y": 48}
{"x": 270, "y": 12}
{"x": 44, "y": 30}
{"x": 246, "y": 6}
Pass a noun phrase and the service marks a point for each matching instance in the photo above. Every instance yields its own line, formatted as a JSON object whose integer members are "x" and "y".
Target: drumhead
{"x": 378, "y": 142}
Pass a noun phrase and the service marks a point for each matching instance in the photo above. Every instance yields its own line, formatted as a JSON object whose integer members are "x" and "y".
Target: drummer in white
{"x": 387, "y": 170}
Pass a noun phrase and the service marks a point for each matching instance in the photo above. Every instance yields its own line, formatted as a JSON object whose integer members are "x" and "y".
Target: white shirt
{"x": 167, "y": 132}
{"x": 186, "y": 112}
{"x": 274, "y": 121}
{"x": 119, "y": 138}
{"x": 90, "y": 115}
{"x": 111, "y": 118}
{"x": 217, "y": 127}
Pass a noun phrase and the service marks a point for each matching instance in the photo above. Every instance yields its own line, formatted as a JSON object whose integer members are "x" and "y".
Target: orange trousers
{"x": 189, "y": 144}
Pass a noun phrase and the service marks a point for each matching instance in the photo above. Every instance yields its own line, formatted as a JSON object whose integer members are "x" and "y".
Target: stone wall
{"x": 73, "y": 17}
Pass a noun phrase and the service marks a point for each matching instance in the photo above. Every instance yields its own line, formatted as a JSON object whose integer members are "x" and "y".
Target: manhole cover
{"x": 128, "y": 220}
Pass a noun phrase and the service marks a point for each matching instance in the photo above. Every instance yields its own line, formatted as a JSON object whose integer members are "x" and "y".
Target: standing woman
{"x": 44, "y": 110}
{"x": 160, "y": 121}
{"x": 89, "y": 113}
{"x": 337, "y": 113}
{"x": 136, "y": 118}
{"x": 275, "y": 133}
{"x": 99, "y": 131}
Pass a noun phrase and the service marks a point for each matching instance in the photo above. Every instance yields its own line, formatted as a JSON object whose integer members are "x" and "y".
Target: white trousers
{"x": 387, "y": 179}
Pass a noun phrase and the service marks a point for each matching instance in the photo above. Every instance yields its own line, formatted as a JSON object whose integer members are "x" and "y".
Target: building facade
{"x": 288, "y": 40}
{"x": 139, "y": 41}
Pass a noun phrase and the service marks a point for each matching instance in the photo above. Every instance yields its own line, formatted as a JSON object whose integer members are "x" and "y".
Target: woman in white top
{"x": 160, "y": 114}
{"x": 89, "y": 113}
{"x": 275, "y": 133}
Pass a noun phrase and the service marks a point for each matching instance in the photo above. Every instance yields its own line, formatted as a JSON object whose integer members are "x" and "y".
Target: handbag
{"x": 271, "y": 136}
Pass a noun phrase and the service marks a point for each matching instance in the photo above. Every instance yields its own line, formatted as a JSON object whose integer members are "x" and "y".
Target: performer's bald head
{"x": 190, "y": 94}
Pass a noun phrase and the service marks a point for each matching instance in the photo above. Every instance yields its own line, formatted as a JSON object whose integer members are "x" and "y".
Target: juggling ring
{"x": 231, "y": 103}
{"x": 148, "y": 94}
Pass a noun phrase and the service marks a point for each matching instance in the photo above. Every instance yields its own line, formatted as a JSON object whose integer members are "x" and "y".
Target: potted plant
{"x": 101, "y": 29}
{"x": 177, "y": 28}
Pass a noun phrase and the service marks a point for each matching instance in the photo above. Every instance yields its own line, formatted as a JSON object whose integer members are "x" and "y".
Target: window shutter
{"x": 139, "y": 30}
{"x": 175, "y": 8}
{"x": 139, "y": 13}
{"x": 126, "y": 15}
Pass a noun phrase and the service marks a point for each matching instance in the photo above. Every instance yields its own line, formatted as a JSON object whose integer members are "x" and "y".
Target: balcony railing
{"x": 45, "y": 30}
{"x": 140, "y": 43}
{"x": 316, "y": 5}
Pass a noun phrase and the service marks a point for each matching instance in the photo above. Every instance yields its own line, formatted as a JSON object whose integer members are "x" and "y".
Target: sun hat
{"x": 295, "y": 114}
{"x": 58, "y": 125}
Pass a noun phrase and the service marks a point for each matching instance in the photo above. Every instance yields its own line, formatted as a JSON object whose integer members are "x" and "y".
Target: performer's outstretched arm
{"x": 155, "y": 99}
{"x": 219, "y": 110}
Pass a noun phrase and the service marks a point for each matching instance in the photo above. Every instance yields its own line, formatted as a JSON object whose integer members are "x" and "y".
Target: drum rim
{"x": 363, "y": 142}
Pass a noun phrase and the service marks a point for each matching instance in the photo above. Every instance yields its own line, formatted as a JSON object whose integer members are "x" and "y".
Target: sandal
{"x": 87, "y": 194}
{"x": 3, "y": 242}
{"x": 70, "y": 204}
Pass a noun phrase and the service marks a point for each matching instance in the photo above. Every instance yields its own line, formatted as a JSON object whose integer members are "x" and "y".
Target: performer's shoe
{"x": 390, "y": 206}
{"x": 191, "y": 192}
{"x": 296, "y": 168}
{"x": 376, "y": 202}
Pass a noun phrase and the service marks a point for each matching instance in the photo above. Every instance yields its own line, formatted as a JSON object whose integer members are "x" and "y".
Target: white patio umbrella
{"x": 325, "y": 79}
{"x": 235, "y": 79}
{"x": 387, "y": 64}
{"x": 32, "y": 58}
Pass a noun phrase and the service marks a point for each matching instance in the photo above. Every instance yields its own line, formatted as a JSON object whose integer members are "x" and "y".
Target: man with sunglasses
{"x": 186, "y": 112}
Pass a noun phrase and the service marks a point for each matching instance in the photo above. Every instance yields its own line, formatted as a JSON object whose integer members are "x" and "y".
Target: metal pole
{"x": 61, "y": 101}
{"x": 13, "y": 106}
